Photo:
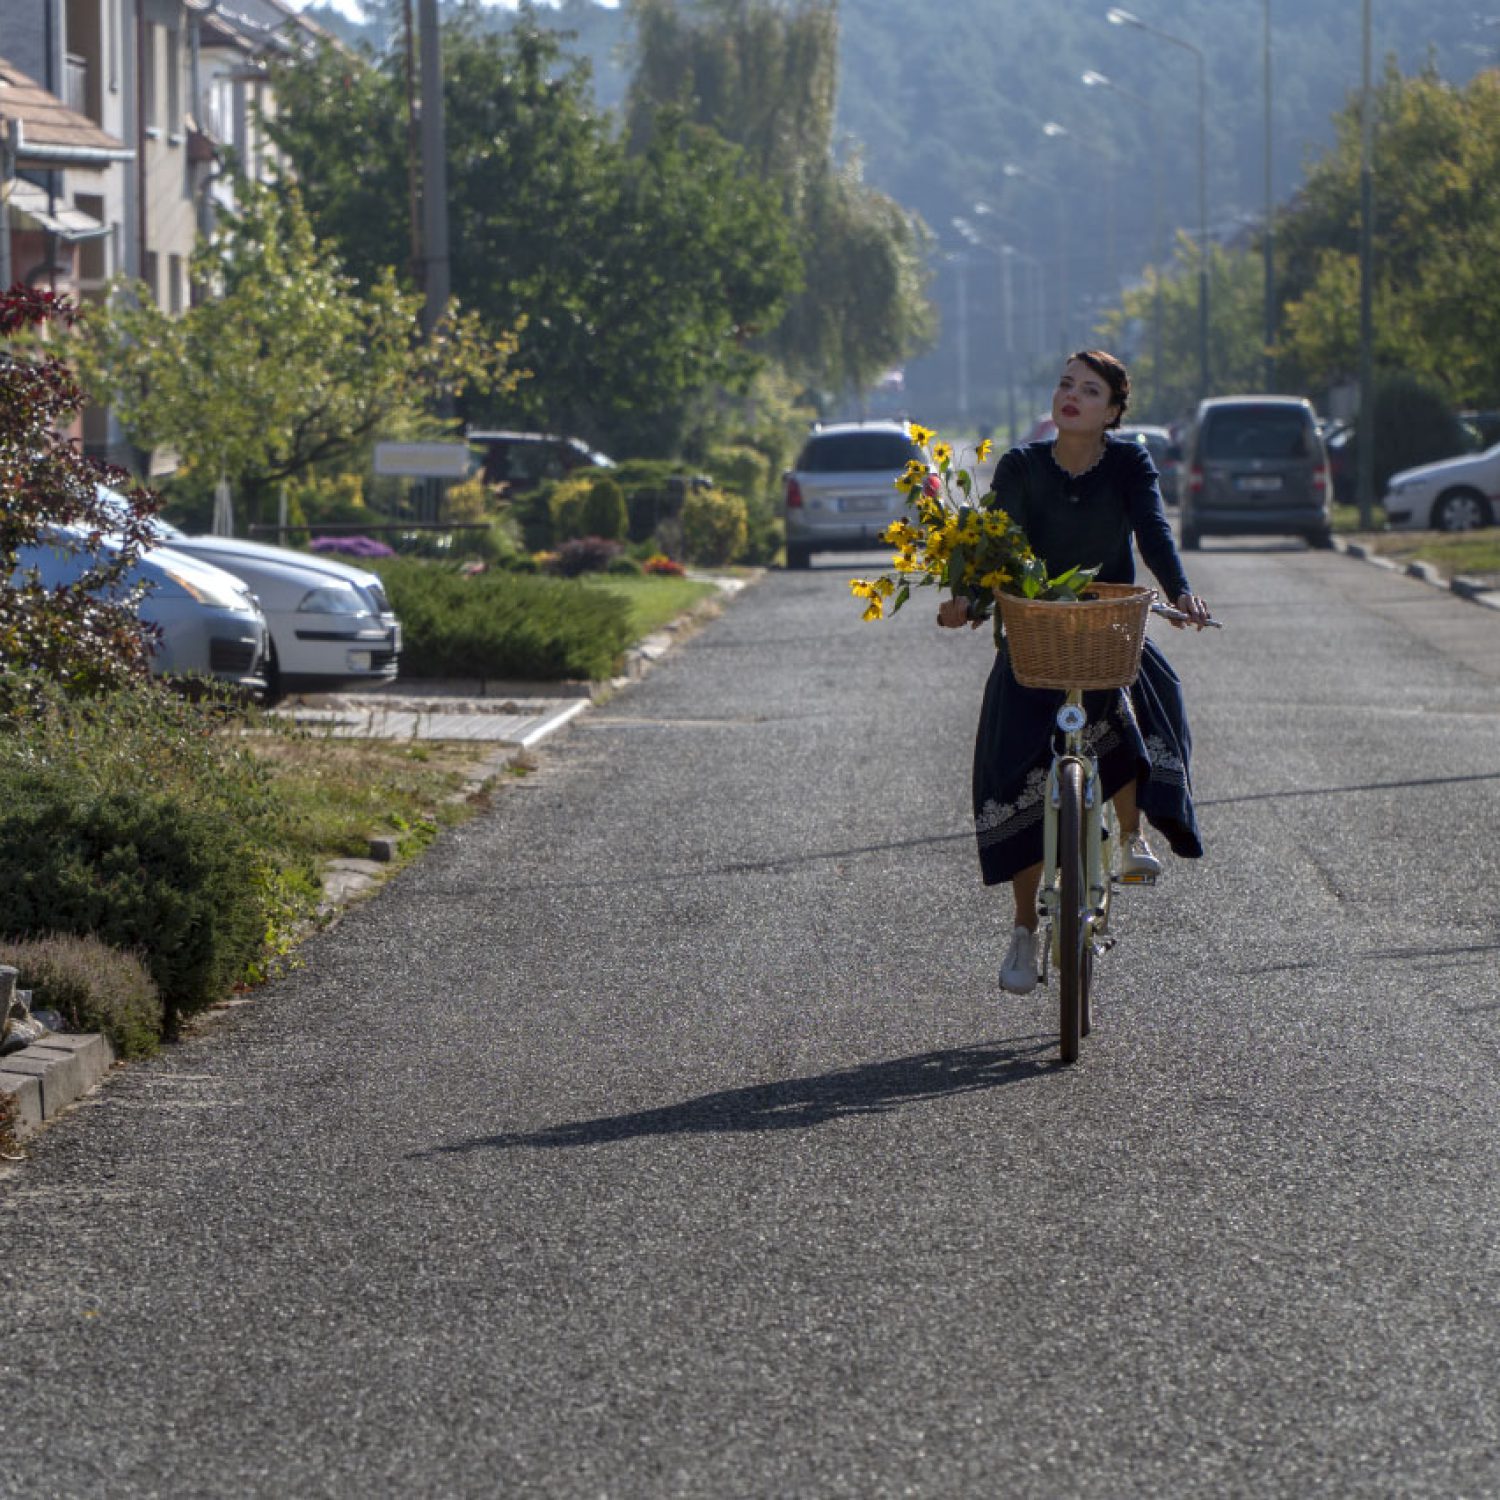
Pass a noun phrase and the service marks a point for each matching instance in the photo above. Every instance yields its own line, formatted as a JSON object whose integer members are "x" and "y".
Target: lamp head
{"x": 1093, "y": 79}
{"x": 1053, "y": 129}
{"x": 1117, "y": 17}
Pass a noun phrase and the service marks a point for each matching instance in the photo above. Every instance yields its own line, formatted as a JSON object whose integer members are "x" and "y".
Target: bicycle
{"x": 1093, "y": 644}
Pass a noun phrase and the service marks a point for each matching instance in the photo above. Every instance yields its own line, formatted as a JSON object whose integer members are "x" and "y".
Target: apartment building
{"x": 145, "y": 104}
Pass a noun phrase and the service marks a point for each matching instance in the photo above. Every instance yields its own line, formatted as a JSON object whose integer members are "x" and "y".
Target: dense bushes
{"x": 133, "y": 818}
{"x": 714, "y": 527}
{"x": 1414, "y": 424}
{"x": 92, "y": 986}
{"x": 588, "y": 504}
{"x": 503, "y": 624}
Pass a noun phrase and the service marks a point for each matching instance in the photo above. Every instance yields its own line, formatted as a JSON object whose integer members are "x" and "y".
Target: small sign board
{"x": 424, "y": 460}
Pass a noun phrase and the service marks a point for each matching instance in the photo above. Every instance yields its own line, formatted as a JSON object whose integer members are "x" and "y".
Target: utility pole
{"x": 413, "y": 144}
{"x": 434, "y": 170}
{"x": 1365, "y": 449}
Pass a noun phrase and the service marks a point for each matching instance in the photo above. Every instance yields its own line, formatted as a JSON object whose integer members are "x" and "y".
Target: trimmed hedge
{"x": 503, "y": 624}
{"x": 93, "y": 986}
{"x": 144, "y": 871}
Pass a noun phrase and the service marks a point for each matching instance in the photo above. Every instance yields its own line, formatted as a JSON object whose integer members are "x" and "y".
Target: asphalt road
{"x": 663, "y": 1133}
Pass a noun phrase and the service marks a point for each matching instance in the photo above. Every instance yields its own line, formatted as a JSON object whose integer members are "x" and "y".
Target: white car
{"x": 332, "y": 627}
{"x": 206, "y": 622}
{"x": 1456, "y": 494}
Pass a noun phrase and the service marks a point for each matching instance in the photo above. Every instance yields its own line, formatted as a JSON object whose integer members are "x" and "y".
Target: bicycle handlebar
{"x": 1168, "y": 613}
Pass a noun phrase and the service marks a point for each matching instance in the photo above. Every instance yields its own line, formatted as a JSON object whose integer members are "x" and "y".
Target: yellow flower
{"x": 861, "y": 589}
{"x": 921, "y": 436}
{"x": 884, "y": 588}
{"x": 873, "y": 611}
{"x": 983, "y": 451}
{"x": 997, "y": 579}
{"x": 906, "y": 562}
{"x": 941, "y": 453}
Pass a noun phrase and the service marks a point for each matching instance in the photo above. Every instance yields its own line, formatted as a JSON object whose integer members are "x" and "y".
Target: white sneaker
{"x": 1018, "y": 972}
{"x": 1136, "y": 859}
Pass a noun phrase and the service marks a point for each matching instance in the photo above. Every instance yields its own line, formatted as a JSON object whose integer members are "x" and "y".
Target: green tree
{"x": 287, "y": 365}
{"x": 84, "y": 635}
{"x": 1236, "y": 339}
{"x": 639, "y": 276}
{"x": 764, "y": 75}
{"x": 1436, "y": 249}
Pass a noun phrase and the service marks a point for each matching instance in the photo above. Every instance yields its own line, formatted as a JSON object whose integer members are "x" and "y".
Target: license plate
{"x": 1258, "y": 482}
{"x": 864, "y": 503}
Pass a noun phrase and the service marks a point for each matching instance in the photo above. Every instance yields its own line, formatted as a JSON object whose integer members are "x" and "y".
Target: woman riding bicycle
{"x": 1082, "y": 498}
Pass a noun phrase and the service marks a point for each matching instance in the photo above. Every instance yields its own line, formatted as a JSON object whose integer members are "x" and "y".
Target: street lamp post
{"x": 1118, "y": 17}
{"x": 1094, "y": 79}
{"x": 1365, "y": 449}
{"x": 1012, "y": 170}
{"x": 1270, "y": 217}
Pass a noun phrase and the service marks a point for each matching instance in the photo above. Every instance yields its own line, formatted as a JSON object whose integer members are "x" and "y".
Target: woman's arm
{"x": 1148, "y": 520}
{"x": 1153, "y": 535}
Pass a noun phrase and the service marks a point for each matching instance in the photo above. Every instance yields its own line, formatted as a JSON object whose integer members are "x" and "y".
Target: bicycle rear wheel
{"x": 1071, "y": 966}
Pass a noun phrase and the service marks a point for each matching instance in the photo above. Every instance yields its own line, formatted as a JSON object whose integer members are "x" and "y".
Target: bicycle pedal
{"x": 1139, "y": 878}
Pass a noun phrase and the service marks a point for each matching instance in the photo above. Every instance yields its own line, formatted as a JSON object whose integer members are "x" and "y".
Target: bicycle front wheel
{"x": 1071, "y": 967}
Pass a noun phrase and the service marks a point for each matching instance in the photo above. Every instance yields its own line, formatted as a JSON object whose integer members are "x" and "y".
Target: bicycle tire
{"x": 1070, "y": 925}
{"x": 1111, "y": 836}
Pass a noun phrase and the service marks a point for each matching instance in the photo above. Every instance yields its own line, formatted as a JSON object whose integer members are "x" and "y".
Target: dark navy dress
{"x": 1139, "y": 732}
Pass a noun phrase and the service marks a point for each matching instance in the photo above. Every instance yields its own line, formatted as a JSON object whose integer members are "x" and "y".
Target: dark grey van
{"x": 1255, "y": 466}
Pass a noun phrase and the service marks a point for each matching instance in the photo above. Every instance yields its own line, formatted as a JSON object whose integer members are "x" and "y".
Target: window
{"x": 148, "y": 78}
{"x": 1258, "y": 432}
{"x": 857, "y": 453}
{"x": 174, "y": 85}
{"x": 148, "y": 275}
{"x": 93, "y": 254}
{"x": 174, "y": 284}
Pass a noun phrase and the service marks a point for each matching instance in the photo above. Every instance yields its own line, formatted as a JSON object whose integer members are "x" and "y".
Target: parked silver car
{"x": 331, "y": 625}
{"x": 206, "y": 623}
{"x": 841, "y": 493}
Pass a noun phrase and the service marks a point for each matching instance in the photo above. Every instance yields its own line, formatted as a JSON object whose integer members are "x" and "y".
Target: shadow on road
{"x": 800, "y": 1103}
{"x": 1452, "y": 956}
{"x": 1344, "y": 791}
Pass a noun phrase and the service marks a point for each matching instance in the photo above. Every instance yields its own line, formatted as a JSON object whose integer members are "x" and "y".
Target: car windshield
{"x": 1257, "y": 432}
{"x": 116, "y": 502}
{"x": 858, "y": 453}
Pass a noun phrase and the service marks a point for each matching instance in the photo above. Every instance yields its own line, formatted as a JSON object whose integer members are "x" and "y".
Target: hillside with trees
{"x": 931, "y": 107}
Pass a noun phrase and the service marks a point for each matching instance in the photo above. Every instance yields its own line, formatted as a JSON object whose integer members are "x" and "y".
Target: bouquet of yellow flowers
{"x": 953, "y": 540}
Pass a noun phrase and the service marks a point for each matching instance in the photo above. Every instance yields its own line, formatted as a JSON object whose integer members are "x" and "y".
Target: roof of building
{"x": 50, "y": 131}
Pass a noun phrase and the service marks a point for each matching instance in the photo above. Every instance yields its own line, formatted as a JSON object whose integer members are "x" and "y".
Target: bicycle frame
{"x": 1097, "y": 879}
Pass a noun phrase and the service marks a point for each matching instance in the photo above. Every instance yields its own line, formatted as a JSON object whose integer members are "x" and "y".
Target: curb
{"x": 1474, "y": 590}
{"x": 47, "y": 1077}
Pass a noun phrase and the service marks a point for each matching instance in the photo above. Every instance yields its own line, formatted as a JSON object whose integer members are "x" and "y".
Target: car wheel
{"x": 1460, "y": 510}
{"x": 1322, "y": 538}
{"x": 798, "y": 556}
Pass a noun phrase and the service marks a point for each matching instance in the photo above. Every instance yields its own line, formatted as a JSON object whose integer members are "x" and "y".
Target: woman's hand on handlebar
{"x": 1194, "y": 608}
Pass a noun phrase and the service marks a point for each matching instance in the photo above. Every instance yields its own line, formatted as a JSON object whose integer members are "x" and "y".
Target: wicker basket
{"x": 1095, "y": 643}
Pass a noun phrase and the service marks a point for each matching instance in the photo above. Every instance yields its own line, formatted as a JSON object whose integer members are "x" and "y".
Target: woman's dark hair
{"x": 1113, "y": 373}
